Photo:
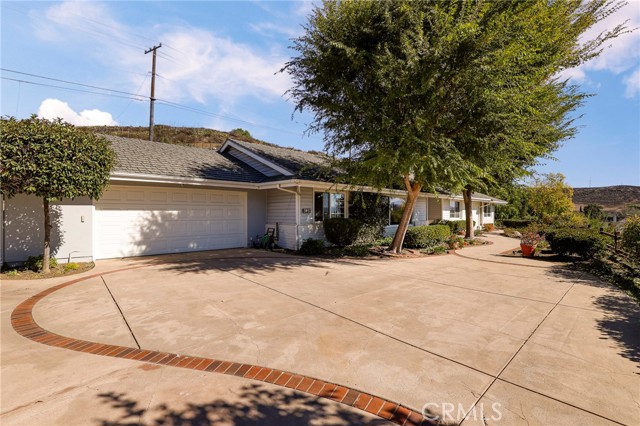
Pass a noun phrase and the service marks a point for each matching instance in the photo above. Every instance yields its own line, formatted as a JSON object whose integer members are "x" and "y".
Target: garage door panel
{"x": 138, "y": 221}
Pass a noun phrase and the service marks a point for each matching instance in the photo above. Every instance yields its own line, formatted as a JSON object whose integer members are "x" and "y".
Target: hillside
{"x": 192, "y": 136}
{"x": 612, "y": 198}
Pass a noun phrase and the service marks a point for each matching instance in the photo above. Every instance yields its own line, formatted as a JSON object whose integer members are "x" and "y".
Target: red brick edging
{"x": 23, "y": 322}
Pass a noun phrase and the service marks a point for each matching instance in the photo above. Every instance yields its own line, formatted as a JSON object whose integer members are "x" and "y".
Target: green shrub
{"x": 426, "y": 236}
{"x": 386, "y": 241}
{"x": 357, "y": 250}
{"x": 631, "y": 236}
{"x": 455, "y": 242}
{"x": 372, "y": 210}
{"x": 440, "y": 249}
{"x": 312, "y": 247}
{"x": 341, "y": 231}
{"x": 584, "y": 243}
{"x": 516, "y": 223}
{"x": 71, "y": 266}
{"x": 367, "y": 235}
{"x": 12, "y": 273}
{"x": 34, "y": 263}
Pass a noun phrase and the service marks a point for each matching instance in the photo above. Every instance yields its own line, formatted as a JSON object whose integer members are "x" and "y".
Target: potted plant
{"x": 528, "y": 243}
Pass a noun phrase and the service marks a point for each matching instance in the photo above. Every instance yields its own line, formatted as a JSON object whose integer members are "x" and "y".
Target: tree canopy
{"x": 441, "y": 95}
{"x": 550, "y": 196}
{"x": 52, "y": 160}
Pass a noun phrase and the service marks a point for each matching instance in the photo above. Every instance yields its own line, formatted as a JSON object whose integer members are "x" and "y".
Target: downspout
{"x": 297, "y": 198}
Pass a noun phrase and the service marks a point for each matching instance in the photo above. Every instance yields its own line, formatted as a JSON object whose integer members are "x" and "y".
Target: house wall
{"x": 309, "y": 228}
{"x": 281, "y": 210}
{"x": 256, "y": 214}
{"x": 72, "y": 224}
{"x": 484, "y": 219}
{"x": 418, "y": 218}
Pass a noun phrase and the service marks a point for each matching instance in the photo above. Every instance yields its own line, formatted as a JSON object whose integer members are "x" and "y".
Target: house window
{"x": 454, "y": 209}
{"x": 396, "y": 208}
{"x": 327, "y": 205}
{"x": 486, "y": 210}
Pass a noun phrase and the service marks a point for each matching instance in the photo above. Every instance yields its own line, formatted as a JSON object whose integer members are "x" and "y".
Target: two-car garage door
{"x": 134, "y": 221}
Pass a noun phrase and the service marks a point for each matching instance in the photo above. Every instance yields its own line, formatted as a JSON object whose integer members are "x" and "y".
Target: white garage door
{"x": 134, "y": 221}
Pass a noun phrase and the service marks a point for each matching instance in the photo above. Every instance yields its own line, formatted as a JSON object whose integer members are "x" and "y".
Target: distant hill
{"x": 192, "y": 136}
{"x": 611, "y": 198}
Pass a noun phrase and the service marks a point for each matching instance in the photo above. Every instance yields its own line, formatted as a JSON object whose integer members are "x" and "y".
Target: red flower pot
{"x": 527, "y": 250}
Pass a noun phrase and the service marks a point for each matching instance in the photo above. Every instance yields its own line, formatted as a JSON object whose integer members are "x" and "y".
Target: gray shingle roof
{"x": 157, "y": 158}
{"x": 303, "y": 164}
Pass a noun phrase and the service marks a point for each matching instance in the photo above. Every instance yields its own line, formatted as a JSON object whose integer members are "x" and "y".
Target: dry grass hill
{"x": 611, "y": 198}
{"x": 192, "y": 136}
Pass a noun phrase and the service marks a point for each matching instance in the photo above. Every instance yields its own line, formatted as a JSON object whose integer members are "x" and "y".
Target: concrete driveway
{"x": 471, "y": 340}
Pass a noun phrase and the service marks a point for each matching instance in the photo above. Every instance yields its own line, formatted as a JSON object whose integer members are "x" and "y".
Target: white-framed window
{"x": 486, "y": 210}
{"x": 328, "y": 205}
{"x": 454, "y": 209}
{"x": 396, "y": 209}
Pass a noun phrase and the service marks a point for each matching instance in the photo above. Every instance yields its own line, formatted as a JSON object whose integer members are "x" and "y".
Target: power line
{"x": 72, "y": 89}
{"x": 68, "y": 82}
{"x": 137, "y": 97}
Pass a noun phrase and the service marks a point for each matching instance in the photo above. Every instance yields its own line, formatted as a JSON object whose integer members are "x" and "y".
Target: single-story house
{"x": 166, "y": 198}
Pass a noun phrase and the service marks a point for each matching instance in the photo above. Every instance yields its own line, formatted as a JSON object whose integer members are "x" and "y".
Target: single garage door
{"x": 134, "y": 221}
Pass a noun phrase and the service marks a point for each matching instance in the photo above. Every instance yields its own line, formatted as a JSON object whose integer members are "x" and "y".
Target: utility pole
{"x": 152, "y": 99}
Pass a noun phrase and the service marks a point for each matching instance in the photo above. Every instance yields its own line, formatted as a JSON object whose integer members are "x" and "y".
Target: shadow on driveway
{"x": 621, "y": 320}
{"x": 245, "y": 260}
{"x": 256, "y": 405}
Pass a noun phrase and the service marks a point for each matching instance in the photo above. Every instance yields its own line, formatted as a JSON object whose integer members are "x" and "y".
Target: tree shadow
{"x": 24, "y": 229}
{"x": 204, "y": 251}
{"x": 254, "y": 405}
{"x": 621, "y": 313}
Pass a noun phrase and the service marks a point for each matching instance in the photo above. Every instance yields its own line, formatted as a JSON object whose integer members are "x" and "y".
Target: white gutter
{"x": 176, "y": 180}
{"x": 296, "y": 193}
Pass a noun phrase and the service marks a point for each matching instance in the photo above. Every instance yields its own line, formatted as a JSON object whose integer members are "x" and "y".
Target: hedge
{"x": 341, "y": 231}
{"x": 582, "y": 242}
{"x": 516, "y": 223}
{"x": 312, "y": 247}
{"x": 426, "y": 236}
{"x": 631, "y": 236}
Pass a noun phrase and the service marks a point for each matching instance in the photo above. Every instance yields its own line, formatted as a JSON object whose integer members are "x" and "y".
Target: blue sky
{"x": 222, "y": 59}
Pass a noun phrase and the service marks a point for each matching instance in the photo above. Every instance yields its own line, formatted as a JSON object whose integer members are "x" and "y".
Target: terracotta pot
{"x": 527, "y": 250}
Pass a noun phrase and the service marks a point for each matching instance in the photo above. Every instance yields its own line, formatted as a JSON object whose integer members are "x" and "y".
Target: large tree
{"x": 399, "y": 88}
{"x": 52, "y": 160}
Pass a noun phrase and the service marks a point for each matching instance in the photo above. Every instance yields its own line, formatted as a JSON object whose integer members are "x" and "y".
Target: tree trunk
{"x": 412, "y": 195}
{"x": 47, "y": 236}
{"x": 468, "y": 213}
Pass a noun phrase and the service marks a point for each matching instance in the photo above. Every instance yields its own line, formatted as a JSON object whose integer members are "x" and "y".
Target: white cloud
{"x": 269, "y": 29}
{"x": 203, "y": 65}
{"x": 193, "y": 64}
{"x": 620, "y": 54}
{"x": 632, "y": 83}
{"x": 54, "y": 108}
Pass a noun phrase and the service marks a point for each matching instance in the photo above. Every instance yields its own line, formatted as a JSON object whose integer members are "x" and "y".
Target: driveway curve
{"x": 549, "y": 346}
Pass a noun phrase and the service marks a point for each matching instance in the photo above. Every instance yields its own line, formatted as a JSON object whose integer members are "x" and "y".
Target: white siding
{"x": 306, "y": 202}
{"x": 286, "y": 235}
{"x": 281, "y": 207}
{"x": 71, "y": 232}
{"x": 261, "y": 167}
{"x": 420, "y": 212}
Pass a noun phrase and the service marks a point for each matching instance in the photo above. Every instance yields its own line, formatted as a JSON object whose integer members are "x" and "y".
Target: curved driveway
{"x": 477, "y": 341}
